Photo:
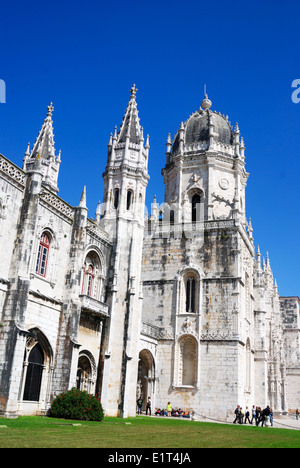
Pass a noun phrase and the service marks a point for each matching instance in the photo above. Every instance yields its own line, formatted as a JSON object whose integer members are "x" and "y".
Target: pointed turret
{"x": 98, "y": 212}
{"x": 82, "y": 202}
{"x": 130, "y": 129}
{"x": 44, "y": 149}
{"x": 127, "y": 152}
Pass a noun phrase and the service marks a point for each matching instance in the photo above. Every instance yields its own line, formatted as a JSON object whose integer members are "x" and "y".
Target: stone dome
{"x": 197, "y": 127}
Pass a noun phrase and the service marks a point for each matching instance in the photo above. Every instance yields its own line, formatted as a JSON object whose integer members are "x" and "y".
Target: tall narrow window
{"x": 129, "y": 199}
{"x": 190, "y": 295}
{"x": 43, "y": 253}
{"x": 116, "y": 198}
{"x": 172, "y": 217}
{"x": 196, "y": 208}
{"x": 92, "y": 279}
{"x": 88, "y": 279}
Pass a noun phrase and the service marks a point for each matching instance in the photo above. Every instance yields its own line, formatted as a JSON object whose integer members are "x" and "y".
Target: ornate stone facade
{"x": 178, "y": 305}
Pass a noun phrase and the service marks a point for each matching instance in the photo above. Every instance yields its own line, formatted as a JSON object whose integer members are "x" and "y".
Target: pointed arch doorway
{"x": 37, "y": 374}
{"x": 146, "y": 378}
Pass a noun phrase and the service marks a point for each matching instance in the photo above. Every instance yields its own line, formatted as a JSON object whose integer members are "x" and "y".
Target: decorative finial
{"x": 27, "y": 153}
{"x": 206, "y": 103}
{"x": 133, "y": 91}
{"x": 50, "y": 109}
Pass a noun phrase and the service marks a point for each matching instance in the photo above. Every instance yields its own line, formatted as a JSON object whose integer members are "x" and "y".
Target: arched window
{"x": 83, "y": 374}
{"x": 92, "y": 279}
{"x": 116, "y": 198}
{"x": 190, "y": 294}
{"x": 196, "y": 208}
{"x": 43, "y": 254}
{"x": 86, "y": 372}
{"x": 129, "y": 199}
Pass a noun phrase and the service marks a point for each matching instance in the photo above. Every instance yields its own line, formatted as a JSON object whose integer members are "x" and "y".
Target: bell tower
{"x": 125, "y": 181}
{"x": 205, "y": 164}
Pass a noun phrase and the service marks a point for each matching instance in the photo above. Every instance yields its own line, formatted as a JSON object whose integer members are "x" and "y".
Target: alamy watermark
{"x": 296, "y": 94}
{"x": 2, "y": 92}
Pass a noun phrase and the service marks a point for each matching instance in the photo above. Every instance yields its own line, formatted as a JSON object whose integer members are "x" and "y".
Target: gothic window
{"x": 116, "y": 198}
{"x": 83, "y": 374}
{"x": 43, "y": 253}
{"x": 89, "y": 277}
{"x": 172, "y": 217}
{"x": 129, "y": 199}
{"x": 190, "y": 294}
{"x": 195, "y": 208}
{"x": 34, "y": 374}
{"x": 86, "y": 372}
{"x": 92, "y": 279}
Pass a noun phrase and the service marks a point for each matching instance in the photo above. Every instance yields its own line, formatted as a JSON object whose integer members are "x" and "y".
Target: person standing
{"x": 139, "y": 405}
{"x": 297, "y": 414}
{"x": 169, "y": 408}
{"x": 241, "y": 421}
{"x": 148, "y": 406}
{"x": 271, "y": 417}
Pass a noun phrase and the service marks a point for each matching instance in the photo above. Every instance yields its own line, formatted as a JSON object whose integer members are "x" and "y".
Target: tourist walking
{"x": 237, "y": 414}
{"x": 247, "y": 414}
{"x": 169, "y": 408}
{"x": 258, "y": 415}
{"x": 148, "y": 406}
{"x": 266, "y": 412}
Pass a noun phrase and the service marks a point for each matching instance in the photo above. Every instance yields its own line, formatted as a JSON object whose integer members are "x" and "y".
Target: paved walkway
{"x": 279, "y": 421}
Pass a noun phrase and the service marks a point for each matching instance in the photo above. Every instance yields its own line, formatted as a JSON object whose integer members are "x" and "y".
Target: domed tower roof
{"x": 203, "y": 124}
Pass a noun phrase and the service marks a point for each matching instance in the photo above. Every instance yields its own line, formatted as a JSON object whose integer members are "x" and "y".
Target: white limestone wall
{"x": 10, "y": 201}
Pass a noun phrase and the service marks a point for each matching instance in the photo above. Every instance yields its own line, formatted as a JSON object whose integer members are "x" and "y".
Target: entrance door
{"x": 34, "y": 374}
{"x": 146, "y": 380}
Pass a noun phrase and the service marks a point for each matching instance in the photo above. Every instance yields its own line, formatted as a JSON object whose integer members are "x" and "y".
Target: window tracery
{"x": 43, "y": 254}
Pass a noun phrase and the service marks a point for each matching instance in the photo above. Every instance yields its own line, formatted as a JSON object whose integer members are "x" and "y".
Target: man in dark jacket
{"x": 266, "y": 412}
{"x": 237, "y": 413}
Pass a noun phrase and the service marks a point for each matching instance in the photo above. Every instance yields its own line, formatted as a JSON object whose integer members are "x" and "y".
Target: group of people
{"x": 168, "y": 411}
{"x": 139, "y": 405}
{"x": 257, "y": 415}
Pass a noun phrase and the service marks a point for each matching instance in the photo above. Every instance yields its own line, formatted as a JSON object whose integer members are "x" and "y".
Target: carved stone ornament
{"x": 224, "y": 183}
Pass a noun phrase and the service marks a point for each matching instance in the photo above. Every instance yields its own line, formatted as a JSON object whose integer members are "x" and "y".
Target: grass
{"x": 139, "y": 432}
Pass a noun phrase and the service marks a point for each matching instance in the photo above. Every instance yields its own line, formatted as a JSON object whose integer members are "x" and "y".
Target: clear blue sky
{"x": 85, "y": 56}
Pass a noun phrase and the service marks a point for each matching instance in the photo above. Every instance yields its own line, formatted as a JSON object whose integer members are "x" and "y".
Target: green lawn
{"x": 139, "y": 432}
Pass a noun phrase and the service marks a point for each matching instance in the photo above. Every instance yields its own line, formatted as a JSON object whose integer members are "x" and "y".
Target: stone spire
{"x": 44, "y": 149}
{"x": 130, "y": 128}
